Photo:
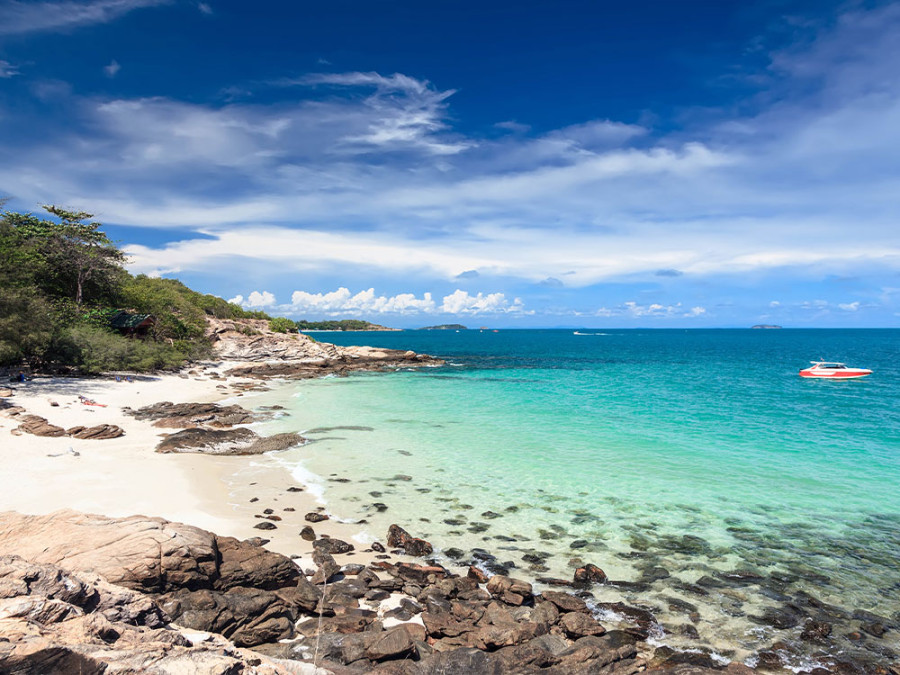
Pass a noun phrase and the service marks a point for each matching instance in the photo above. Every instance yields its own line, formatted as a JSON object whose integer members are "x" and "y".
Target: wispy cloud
{"x": 112, "y": 69}
{"x": 18, "y": 17}
{"x": 655, "y": 310}
{"x": 7, "y": 69}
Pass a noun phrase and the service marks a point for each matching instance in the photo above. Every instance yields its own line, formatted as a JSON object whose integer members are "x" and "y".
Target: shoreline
{"x": 124, "y": 476}
{"x": 228, "y": 495}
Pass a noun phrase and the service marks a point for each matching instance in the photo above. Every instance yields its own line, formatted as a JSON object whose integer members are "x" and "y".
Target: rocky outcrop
{"x": 53, "y": 621}
{"x": 203, "y": 581}
{"x": 293, "y": 355}
{"x": 185, "y": 415}
{"x": 240, "y": 441}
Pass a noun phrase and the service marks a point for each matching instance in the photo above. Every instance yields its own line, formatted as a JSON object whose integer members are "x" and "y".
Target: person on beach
{"x": 21, "y": 377}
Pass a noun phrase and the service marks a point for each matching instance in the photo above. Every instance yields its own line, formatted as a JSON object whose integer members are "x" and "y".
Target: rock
{"x": 99, "y": 432}
{"x": 326, "y": 565}
{"x": 816, "y": 631}
{"x": 266, "y": 525}
{"x": 590, "y": 574}
{"x": 466, "y": 661}
{"x": 478, "y": 575}
{"x": 141, "y": 553}
{"x": 146, "y": 554}
{"x": 54, "y": 621}
{"x": 565, "y": 602}
{"x": 308, "y": 534}
{"x": 38, "y": 426}
{"x": 781, "y": 618}
{"x": 294, "y": 488}
{"x": 400, "y": 538}
{"x": 186, "y": 415}
{"x": 393, "y": 643}
{"x": 247, "y": 616}
{"x": 577, "y": 624}
{"x": 315, "y": 517}
{"x": 511, "y": 591}
{"x": 241, "y": 564}
{"x": 238, "y": 441}
{"x": 332, "y": 546}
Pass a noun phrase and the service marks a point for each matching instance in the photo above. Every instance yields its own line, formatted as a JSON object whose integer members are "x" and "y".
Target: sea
{"x": 709, "y": 481}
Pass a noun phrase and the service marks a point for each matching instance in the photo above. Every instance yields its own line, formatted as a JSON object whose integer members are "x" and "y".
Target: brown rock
{"x": 308, "y": 534}
{"x": 511, "y": 591}
{"x": 38, "y": 426}
{"x": 590, "y": 574}
{"x": 326, "y": 565}
{"x": 565, "y": 602}
{"x": 578, "y": 624}
{"x": 393, "y": 643}
{"x": 99, "y": 432}
{"x": 315, "y": 517}
{"x": 332, "y": 546}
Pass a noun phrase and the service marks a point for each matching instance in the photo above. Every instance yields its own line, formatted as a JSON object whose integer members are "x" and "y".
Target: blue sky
{"x": 568, "y": 163}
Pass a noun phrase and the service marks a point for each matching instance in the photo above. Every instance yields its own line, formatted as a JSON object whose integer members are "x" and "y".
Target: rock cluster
{"x": 208, "y": 428}
{"x": 39, "y": 426}
{"x": 54, "y": 621}
{"x": 67, "y": 615}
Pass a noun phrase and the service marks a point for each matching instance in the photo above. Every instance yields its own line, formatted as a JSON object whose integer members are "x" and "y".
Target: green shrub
{"x": 95, "y": 350}
{"x": 281, "y": 324}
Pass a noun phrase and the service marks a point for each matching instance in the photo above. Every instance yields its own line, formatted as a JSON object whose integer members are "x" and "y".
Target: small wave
{"x": 580, "y": 333}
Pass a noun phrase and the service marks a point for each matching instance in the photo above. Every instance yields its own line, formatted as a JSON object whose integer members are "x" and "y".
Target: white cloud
{"x": 204, "y": 8}
{"x": 342, "y": 301}
{"x": 7, "y": 69}
{"x": 849, "y": 307}
{"x": 17, "y": 16}
{"x": 462, "y": 302}
{"x": 255, "y": 299}
{"x": 112, "y": 69}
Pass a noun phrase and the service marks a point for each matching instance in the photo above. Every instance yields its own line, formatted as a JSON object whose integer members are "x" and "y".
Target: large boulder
{"x": 145, "y": 554}
{"x": 246, "y": 616}
{"x": 240, "y": 441}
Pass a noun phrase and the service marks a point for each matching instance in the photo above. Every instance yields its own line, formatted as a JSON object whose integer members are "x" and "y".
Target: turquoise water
{"x": 611, "y": 447}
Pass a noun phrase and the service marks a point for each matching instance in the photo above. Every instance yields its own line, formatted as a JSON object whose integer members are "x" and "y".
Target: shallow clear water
{"x": 609, "y": 448}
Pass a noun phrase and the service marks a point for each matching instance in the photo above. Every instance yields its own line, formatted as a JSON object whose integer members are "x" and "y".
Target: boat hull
{"x": 845, "y": 374}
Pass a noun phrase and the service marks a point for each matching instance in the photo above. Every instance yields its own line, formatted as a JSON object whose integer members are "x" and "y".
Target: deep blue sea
{"x": 666, "y": 457}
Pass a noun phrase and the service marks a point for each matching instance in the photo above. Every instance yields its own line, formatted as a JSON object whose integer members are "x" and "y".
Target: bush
{"x": 281, "y": 324}
{"x": 95, "y": 350}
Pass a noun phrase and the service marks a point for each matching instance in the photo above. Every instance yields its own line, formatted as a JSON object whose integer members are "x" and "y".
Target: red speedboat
{"x": 833, "y": 370}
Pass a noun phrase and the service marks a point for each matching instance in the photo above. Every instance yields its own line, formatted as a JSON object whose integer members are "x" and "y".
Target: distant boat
{"x": 577, "y": 332}
{"x": 833, "y": 370}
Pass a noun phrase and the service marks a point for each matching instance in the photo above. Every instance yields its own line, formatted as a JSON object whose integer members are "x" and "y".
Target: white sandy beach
{"x": 124, "y": 476}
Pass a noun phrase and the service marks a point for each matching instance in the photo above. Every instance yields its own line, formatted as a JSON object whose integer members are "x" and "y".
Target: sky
{"x": 572, "y": 163}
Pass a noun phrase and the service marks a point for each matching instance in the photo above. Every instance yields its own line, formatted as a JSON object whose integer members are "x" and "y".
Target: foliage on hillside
{"x": 343, "y": 324}
{"x": 61, "y": 281}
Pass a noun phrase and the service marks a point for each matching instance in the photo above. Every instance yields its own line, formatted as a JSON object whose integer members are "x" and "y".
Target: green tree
{"x": 80, "y": 253}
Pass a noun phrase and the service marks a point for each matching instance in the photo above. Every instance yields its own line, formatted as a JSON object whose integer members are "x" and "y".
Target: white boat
{"x": 833, "y": 370}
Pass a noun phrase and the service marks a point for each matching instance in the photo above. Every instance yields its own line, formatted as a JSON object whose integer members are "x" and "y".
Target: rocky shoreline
{"x": 87, "y": 593}
{"x": 91, "y": 594}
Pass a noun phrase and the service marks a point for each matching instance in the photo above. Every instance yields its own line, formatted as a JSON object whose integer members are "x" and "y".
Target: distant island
{"x": 446, "y": 326}
{"x": 766, "y": 326}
